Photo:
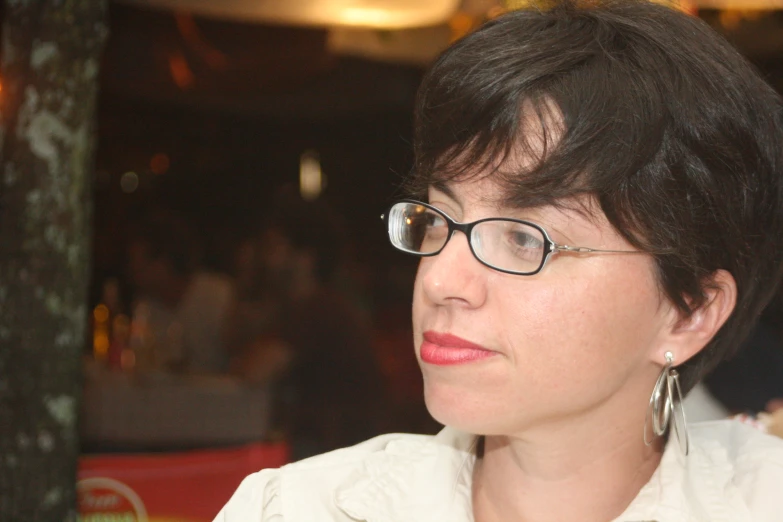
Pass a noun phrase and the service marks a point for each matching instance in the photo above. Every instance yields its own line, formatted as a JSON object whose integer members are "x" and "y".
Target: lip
{"x": 444, "y": 349}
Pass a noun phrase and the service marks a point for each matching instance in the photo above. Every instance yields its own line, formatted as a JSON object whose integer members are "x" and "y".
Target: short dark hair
{"x": 672, "y": 132}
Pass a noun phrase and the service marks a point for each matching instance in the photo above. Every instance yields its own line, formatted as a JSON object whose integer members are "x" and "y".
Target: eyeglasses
{"x": 513, "y": 246}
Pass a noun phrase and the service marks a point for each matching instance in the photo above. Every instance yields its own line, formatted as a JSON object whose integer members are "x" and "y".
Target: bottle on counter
{"x": 111, "y": 330}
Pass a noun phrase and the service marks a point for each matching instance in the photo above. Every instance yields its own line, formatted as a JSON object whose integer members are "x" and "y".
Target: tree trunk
{"x": 50, "y": 57}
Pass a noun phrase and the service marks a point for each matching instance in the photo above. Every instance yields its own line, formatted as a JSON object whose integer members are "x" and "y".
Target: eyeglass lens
{"x": 503, "y": 244}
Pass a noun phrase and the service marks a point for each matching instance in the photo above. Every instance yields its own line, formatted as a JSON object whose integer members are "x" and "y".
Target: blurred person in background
{"x": 318, "y": 348}
{"x": 255, "y": 312}
{"x": 749, "y": 382}
{"x": 597, "y": 204}
{"x": 181, "y": 310}
{"x": 752, "y": 381}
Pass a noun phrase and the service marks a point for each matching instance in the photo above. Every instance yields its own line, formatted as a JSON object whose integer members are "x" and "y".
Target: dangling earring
{"x": 666, "y": 408}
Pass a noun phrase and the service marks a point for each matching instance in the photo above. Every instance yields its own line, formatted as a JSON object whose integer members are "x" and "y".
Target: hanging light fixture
{"x": 378, "y": 14}
{"x": 311, "y": 179}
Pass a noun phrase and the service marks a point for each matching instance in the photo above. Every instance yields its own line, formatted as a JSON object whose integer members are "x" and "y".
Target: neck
{"x": 586, "y": 469}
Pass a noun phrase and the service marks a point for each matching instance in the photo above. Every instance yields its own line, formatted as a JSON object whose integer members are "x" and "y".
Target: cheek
{"x": 584, "y": 331}
{"x": 568, "y": 343}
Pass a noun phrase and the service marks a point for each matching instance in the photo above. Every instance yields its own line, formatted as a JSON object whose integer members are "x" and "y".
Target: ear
{"x": 687, "y": 336}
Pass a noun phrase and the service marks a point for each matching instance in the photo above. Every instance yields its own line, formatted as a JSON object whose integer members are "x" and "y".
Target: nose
{"x": 454, "y": 276}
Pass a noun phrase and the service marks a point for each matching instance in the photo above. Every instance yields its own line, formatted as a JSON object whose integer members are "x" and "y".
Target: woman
{"x": 602, "y": 226}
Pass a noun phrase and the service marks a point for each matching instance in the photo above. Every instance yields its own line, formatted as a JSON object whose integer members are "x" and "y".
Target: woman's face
{"x": 587, "y": 333}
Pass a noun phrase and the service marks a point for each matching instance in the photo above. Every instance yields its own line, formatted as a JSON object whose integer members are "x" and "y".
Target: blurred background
{"x": 243, "y": 293}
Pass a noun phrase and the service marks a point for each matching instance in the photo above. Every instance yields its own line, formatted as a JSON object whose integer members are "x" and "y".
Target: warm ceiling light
{"x": 740, "y": 5}
{"x": 380, "y": 14}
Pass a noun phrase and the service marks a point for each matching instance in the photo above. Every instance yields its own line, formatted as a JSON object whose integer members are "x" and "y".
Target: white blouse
{"x": 734, "y": 473}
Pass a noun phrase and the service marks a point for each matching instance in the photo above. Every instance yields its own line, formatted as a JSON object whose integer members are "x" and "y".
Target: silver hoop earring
{"x": 665, "y": 408}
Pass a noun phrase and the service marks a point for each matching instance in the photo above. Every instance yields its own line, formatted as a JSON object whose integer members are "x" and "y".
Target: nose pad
{"x": 474, "y": 244}
{"x": 458, "y": 241}
{"x": 454, "y": 275}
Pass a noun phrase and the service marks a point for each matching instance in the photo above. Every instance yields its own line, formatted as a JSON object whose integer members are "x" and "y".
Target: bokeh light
{"x": 159, "y": 164}
{"x": 129, "y": 182}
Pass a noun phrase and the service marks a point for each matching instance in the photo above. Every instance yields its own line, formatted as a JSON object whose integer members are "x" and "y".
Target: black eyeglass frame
{"x": 550, "y": 247}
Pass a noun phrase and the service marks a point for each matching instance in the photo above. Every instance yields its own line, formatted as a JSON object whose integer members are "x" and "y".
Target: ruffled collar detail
{"x": 419, "y": 480}
{"x": 696, "y": 488}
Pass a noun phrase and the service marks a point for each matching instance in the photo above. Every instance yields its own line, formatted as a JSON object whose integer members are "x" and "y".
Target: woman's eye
{"x": 523, "y": 239}
{"x": 435, "y": 221}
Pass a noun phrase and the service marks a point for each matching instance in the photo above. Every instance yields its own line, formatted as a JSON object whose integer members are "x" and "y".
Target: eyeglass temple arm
{"x": 585, "y": 250}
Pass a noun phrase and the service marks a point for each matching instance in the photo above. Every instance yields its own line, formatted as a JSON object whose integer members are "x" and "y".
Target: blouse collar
{"x": 429, "y": 480}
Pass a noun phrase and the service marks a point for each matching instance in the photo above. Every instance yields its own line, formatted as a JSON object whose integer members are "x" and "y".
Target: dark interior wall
{"x": 234, "y": 135}
{"x": 257, "y": 97}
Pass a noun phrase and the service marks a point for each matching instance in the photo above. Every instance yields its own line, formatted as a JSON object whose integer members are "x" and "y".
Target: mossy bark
{"x": 50, "y": 57}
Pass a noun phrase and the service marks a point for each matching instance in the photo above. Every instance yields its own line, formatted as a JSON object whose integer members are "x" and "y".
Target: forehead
{"x": 515, "y": 166}
{"x": 493, "y": 195}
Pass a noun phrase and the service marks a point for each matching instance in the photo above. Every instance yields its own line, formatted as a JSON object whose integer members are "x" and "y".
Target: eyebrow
{"x": 445, "y": 188}
{"x": 442, "y": 186}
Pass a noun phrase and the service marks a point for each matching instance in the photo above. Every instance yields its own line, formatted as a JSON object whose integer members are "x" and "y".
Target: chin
{"x": 464, "y": 412}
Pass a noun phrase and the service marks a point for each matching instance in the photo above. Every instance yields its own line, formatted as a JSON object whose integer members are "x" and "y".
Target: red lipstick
{"x": 444, "y": 349}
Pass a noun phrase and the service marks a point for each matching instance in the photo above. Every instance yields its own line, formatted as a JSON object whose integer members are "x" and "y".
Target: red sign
{"x": 102, "y": 499}
{"x": 175, "y": 487}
